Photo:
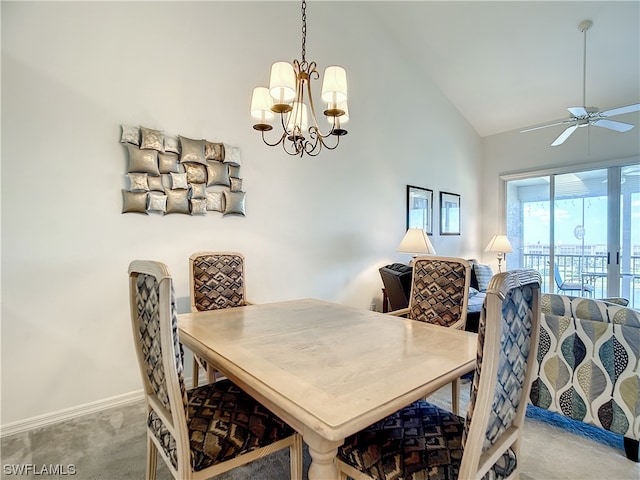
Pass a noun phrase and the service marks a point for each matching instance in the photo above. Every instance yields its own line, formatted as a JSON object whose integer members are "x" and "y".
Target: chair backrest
{"x": 507, "y": 344}
{"x": 155, "y": 333}
{"x": 440, "y": 291}
{"x": 396, "y": 279}
{"x": 558, "y": 278}
{"x": 216, "y": 280}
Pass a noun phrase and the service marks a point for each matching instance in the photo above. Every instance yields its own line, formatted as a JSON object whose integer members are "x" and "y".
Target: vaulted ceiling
{"x": 510, "y": 65}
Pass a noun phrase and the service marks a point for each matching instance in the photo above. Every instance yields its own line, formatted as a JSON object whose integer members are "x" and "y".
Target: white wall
{"x": 72, "y": 73}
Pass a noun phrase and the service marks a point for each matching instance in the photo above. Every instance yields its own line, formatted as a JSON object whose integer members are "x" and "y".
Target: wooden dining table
{"x": 326, "y": 369}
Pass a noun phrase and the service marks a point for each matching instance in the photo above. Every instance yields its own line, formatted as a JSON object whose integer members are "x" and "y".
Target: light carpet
{"x": 110, "y": 445}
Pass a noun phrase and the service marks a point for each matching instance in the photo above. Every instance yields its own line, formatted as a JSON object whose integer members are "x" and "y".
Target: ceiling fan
{"x": 585, "y": 116}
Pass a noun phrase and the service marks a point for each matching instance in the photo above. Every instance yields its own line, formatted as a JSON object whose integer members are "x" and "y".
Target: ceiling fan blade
{"x": 612, "y": 125}
{"x": 578, "y": 111}
{"x": 621, "y": 110}
{"x": 545, "y": 126}
{"x": 564, "y": 135}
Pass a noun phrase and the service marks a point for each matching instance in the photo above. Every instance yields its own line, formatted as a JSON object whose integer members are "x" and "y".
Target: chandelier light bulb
{"x": 298, "y": 118}
{"x": 338, "y": 121}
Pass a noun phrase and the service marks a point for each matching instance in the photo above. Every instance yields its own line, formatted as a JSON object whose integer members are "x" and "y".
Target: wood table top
{"x": 328, "y": 367}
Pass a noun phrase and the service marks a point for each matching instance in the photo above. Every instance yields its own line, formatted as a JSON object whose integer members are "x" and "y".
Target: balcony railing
{"x": 575, "y": 268}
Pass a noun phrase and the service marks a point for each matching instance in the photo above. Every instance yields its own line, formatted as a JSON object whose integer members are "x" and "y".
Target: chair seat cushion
{"x": 224, "y": 422}
{"x": 419, "y": 442}
{"x": 576, "y": 286}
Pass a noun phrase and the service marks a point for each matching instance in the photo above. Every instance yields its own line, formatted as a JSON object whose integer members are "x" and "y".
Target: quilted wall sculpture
{"x": 175, "y": 174}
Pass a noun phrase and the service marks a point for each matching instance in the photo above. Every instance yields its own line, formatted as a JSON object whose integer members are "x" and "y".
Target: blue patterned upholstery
{"x": 483, "y": 274}
{"x": 423, "y": 441}
{"x": 515, "y": 344}
{"x": 589, "y": 363}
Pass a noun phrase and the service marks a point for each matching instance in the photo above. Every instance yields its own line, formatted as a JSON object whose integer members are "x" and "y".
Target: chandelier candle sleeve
{"x": 338, "y": 122}
{"x": 289, "y": 96}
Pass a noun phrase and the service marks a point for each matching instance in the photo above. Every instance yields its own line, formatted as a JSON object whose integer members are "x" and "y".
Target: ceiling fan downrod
{"x": 583, "y": 27}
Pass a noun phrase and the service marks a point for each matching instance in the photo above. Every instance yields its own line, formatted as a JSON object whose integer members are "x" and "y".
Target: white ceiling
{"x": 509, "y": 65}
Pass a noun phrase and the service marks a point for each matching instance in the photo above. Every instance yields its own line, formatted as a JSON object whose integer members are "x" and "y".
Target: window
{"x": 587, "y": 237}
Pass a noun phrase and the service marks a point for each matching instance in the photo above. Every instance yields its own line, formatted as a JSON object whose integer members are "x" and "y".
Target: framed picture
{"x": 449, "y": 213}
{"x": 420, "y": 208}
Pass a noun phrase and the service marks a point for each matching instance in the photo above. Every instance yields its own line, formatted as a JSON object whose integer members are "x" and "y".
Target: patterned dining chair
{"x": 440, "y": 295}
{"x": 216, "y": 280}
{"x": 204, "y": 431}
{"x": 423, "y": 441}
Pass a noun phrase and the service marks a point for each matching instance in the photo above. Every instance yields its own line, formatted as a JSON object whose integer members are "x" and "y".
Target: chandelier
{"x": 289, "y": 96}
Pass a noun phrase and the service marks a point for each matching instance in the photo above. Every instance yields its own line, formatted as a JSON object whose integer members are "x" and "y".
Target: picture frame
{"x": 449, "y": 213}
{"x": 420, "y": 208}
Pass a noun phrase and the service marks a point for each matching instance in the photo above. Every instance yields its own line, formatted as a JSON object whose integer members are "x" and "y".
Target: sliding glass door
{"x": 628, "y": 258}
{"x": 579, "y": 229}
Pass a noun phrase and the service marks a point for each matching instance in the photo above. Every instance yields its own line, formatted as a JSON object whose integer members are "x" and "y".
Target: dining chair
{"x": 204, "y": 431}
{"x": 216, "y": 280}
{"x": 564, "y": 286}
{"x": 423, "y": 441}
{"x": 440, "y": 295}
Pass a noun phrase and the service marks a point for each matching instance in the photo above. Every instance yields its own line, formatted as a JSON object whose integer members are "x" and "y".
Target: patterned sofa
{"x": 589, "y": 365}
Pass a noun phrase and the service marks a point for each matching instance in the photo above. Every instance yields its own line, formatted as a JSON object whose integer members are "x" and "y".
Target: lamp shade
{"x": 334, "y": 85}
{"x": 282, "y": 82}
{"x": 499, "y": 244}
{"x": 261, "y": 103}
{"x": 416, "y": 241}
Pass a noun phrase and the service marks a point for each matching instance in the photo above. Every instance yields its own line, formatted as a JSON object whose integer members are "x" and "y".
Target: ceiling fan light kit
{"x": 584, "y": 116}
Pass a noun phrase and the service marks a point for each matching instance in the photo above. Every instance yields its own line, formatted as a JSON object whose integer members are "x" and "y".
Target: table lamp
{"x": 500, "y": 245}
{"x": 416, "y": 242}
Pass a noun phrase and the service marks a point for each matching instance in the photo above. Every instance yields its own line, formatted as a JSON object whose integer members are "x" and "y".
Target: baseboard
{"x": 80, "y": 410}
{"x": 70, "y": 413}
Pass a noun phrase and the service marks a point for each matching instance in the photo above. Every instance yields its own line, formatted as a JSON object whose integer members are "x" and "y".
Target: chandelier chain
{"x": 304, "y": 30}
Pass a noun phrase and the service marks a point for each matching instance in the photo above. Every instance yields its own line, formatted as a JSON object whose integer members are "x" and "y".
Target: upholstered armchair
{"x": 439, "y": 295}
{"x": 216, "y": 280}
{"x": 589, "y": 365}
{"x": 423, "y": 442}
{"x": 205, "y": 431}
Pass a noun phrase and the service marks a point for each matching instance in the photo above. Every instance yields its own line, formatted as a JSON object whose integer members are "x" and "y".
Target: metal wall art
{"x": 176, "y": 174}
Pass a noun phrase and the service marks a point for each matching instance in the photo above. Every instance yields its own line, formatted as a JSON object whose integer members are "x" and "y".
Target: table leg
{"x": 323, "y": 454}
